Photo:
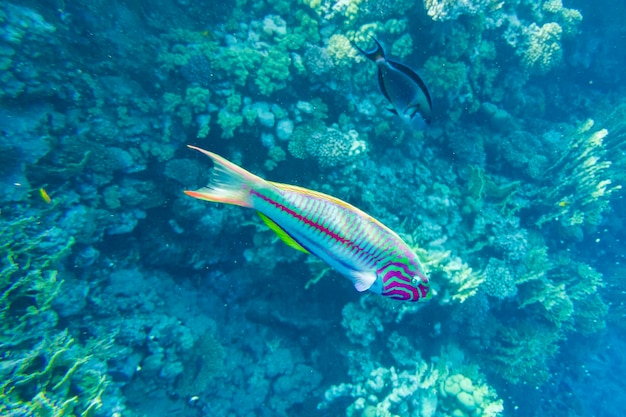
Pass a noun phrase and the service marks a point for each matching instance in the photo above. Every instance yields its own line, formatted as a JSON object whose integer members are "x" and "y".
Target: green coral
{"x": 448, "y": 80}
{"x": 308, "y": 27}
{"x": 228, "y": 122}
{"x": 292, "y": 41}
{"x": 273, "y": 72}
{"x": 403, "y": 46}
{"x": 444, "y": 76}
{"x": 198, "y": 99}
{"x": 238, "y": 62}
{"x": 229, "y": 117}
{"x": 179, "y": 53}
{"x": 276, "y": 154}
{"x": 44, "y": 372}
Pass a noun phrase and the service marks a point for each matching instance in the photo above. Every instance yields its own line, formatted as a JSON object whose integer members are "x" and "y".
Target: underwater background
{"x": 121, "y": 296}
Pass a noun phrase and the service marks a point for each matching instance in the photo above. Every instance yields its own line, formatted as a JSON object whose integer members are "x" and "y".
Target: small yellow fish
{"x": 44, "y": 195}
{"x": 563, "y": 203}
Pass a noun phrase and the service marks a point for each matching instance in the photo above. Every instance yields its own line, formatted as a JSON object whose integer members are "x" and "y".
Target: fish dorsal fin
{"x": 316, "y": 194}
{"x": 363, "y": 280}
{"x": 284, "y": 236}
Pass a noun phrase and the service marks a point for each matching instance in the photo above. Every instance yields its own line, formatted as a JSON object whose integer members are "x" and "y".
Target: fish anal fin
{"x": 284, "y": 236}
{"x": 363, "y": 280}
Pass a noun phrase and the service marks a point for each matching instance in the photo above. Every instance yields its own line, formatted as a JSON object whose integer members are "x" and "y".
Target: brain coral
{"x": 499, "y": 282}
{"x": 328, "y": 145}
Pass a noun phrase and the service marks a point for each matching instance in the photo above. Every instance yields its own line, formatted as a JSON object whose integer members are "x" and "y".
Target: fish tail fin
{"x": 228, "y": 183}
{"x": 375, "y": 55}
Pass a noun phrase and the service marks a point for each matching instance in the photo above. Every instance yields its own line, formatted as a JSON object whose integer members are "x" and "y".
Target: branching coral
{"x": 615, "y": 142}
{"x": 580, "y": 181}
{"x": 521, "y": 353}
{"x": 44, "y": 381}
{"x": 43, "y": 371}
{"x": 566, "y": 290}
{"x": 177, "y": 52}
{"x": 459, "y": 282}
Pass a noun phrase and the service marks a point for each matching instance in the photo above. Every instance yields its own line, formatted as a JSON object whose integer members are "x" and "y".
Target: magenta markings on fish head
{"x": 403, "y": 281}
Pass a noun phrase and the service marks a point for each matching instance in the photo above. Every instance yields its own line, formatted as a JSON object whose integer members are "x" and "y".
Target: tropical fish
{"x": 358, "y": 246}
{"x": 402, "y": 87}
{"x": 44, "y": 195}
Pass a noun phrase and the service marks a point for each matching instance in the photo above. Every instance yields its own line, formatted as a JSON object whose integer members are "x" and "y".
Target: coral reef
{"x": 328, "y": 145}
{"x": 426, "y": 389}
{"x": 44, "y": 370}
{"x": 442, "y": 10}
{"x": 583, "y": 185}
{"x": 120, "y": 296}
{"x": 541, "y": 49}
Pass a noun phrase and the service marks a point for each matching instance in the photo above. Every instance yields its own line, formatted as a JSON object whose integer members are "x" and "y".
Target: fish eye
{"x": 415, "y": 281}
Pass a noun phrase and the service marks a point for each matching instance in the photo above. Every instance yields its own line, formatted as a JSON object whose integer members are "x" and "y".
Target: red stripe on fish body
{"x": 346, "y": 238}
{"x": 354, "y": 243}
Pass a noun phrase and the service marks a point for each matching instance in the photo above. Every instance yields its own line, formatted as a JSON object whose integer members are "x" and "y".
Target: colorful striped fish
{"x": 358, "y": 246}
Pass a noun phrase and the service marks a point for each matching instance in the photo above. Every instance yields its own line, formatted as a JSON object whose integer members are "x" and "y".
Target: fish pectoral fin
{"x": 363, "y": 280}
{"x": 393, "y": 111}
{"x": 412, "y": 109}
{"x": 284, "y": 236}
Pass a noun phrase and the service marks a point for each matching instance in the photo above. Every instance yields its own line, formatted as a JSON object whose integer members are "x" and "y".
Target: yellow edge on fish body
{"x": 355, "y": 244}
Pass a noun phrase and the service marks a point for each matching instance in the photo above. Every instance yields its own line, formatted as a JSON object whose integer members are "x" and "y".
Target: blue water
{"x": 122, "y": 296}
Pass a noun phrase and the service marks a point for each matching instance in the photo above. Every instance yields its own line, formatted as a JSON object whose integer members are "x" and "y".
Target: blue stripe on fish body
{"x": 310, "y": 219}
{"x": 345, "y": 241}
{"x": 355, "y": 244}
